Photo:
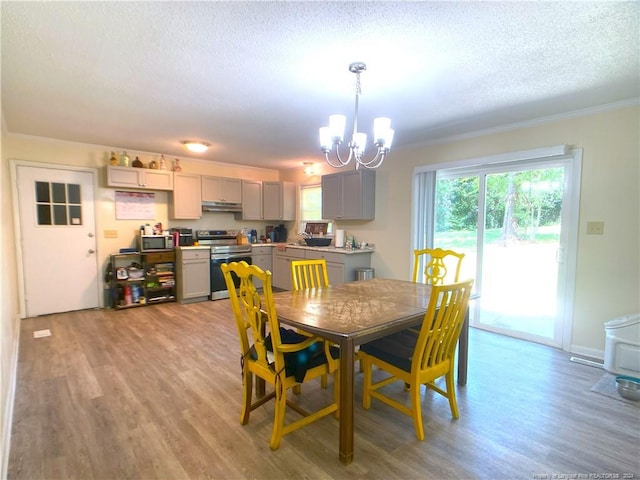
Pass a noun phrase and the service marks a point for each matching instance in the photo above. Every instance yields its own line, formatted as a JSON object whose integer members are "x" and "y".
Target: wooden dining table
{"x": 354, "y": 313}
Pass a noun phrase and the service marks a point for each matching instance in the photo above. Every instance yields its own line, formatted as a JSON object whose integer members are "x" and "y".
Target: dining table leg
{"x": 347, "y": 359}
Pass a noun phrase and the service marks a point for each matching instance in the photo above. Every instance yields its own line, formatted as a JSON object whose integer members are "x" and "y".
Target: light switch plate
{"x": 110, "y": 234}
{"x": 595, "y": 228}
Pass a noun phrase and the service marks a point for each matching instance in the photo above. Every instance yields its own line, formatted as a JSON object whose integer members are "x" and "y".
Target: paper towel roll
{"x": 339, "y": 240}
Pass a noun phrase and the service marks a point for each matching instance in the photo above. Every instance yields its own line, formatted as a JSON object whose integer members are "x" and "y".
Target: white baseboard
{"x": 10, "y": 400}
{"x": 587, "y": 352}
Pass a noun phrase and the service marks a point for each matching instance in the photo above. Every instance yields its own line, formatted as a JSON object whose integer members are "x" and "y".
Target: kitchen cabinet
{"x": 349, "y": 195}
{"x": 262, "y": 257}
{"x": 186, "y": 198}
{"x": 278, "y": 201}
{"x": 282, "y": 266}
{"x": 251, "y": 200}
{"x": 220, "y": 189}
{"x": 139, "y": 178}
{"x": 193, "y": 274}
{"x": 340, "y": 266}
{"x": 142, "y": 278}
{"x": 268, "y": 200}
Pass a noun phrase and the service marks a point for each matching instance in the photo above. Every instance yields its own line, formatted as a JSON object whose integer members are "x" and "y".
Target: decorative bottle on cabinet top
{"x": 176, "y": 165}
{"x": 163, "y": 163}
{"x": 113, "y": 160}
{"x": 124, "y": 159}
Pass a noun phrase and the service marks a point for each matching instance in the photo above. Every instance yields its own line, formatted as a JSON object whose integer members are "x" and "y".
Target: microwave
{"x": 152, "y": 243}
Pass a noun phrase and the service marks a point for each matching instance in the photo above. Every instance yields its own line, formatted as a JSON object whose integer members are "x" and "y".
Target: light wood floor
{"x": 154, "y": 393}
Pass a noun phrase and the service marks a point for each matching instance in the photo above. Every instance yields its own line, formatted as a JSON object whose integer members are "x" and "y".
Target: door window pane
{"x": 60, "y": 215}
{"x": 73, "y": 193}
{"x": 59, "y": 192}
{"x": 42, "y": 192}
{"x": 58, "y": 203}
{"x": 44, "y": 214}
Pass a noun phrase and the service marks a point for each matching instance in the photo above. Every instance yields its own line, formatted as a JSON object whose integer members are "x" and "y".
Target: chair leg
{"x": 365, "y": 363}
{"x": 278, "y": 418}
{"x": 416, "y": 409}
{"x": 451, "y": 394}
{"x": 324, "y": 381}
{"x": 297, "y": 389}
{"x": 246, "y": 400}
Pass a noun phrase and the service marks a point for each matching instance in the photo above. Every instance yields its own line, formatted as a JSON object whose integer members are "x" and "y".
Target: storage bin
{"x": 364, "y": 273}
{"x": 622, "y": 345}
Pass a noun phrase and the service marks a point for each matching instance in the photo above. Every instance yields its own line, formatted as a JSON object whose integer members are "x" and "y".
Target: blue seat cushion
{"x": 396, "y": 349}
{"x": 297, "y": 363}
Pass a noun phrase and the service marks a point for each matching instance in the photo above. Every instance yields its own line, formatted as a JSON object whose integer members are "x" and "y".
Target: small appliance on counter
{"x": 153, "y": 243}
{"x": 279, "y": 234}
{"x": 183, "y": 237}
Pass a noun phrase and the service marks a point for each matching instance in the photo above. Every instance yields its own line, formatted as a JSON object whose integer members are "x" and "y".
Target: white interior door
{"x": 57, "y": 238}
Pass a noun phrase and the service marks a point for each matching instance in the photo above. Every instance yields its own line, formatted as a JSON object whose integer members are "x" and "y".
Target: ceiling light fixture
{"x": 333, "y": 135}
{"x": 196, "y": 147}
{"x": 308, "y": 168}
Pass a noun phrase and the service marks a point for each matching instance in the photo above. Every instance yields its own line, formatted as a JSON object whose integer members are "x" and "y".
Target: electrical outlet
{"x": 110, "y": 234}
{"x": 595, "y": 228}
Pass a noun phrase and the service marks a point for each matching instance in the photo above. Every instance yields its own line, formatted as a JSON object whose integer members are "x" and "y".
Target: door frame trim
{"x": 14, "y": 164}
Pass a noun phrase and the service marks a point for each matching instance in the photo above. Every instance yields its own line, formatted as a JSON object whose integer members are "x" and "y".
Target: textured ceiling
{"x": 257, "y": 79}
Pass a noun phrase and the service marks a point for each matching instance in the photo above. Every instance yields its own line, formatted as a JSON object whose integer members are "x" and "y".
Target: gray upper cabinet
{"x": 251, "y": 200}
{"x": 186, "y": 199}
{"x": 268, "y": 200}
{"x": 219, "y": 189}
{"x": 349, "y": 195}
{"x": 278, "y": 201}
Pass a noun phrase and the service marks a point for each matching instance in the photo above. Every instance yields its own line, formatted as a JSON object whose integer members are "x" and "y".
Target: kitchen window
{"x": 311, "y": 206}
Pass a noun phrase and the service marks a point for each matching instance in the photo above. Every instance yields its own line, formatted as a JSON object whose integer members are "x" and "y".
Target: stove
{"x": 224, "y": 249}
{"x": 222, "y": 242}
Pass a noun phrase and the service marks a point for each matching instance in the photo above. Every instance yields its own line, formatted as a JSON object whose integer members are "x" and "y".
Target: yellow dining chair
{"x": 283, "y": 358}
{"x": 309, "y": 274}
{"x": 419, "y": 358}
{"x": 440, "y": 266}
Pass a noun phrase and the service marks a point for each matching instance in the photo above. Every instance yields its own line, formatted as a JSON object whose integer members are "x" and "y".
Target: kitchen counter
{"x": 329, "y": 249}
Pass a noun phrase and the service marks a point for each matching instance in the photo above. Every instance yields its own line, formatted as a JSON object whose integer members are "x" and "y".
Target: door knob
{"x": 91, "y": 250}
{"x": 90, "y": 235}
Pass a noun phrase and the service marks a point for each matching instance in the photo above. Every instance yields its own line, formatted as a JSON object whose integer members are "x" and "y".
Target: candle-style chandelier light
{"x": 331, "y": 137}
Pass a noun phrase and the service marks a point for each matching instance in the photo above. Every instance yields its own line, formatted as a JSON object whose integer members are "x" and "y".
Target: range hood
{"x": 221, "y": 207}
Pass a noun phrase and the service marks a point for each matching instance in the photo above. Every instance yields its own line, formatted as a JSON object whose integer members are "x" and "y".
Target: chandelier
{"x": 333, "y": 135}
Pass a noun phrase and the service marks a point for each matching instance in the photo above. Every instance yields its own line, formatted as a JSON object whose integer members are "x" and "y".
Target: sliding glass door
{"x": 511, "y": 221}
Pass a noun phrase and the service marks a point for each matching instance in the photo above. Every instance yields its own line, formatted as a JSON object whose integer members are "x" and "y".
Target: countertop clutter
{"x": 329, "y": 249}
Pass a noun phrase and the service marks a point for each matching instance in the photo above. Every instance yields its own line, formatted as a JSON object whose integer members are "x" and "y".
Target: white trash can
{"x": 622, "y": 345}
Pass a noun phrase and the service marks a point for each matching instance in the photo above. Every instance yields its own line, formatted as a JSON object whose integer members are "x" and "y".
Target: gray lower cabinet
{"x": 193, "y": 279}
{"x": 282, "y": 266}
{"x": 340, "y": 266}
{"x": 262, "y": 257}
